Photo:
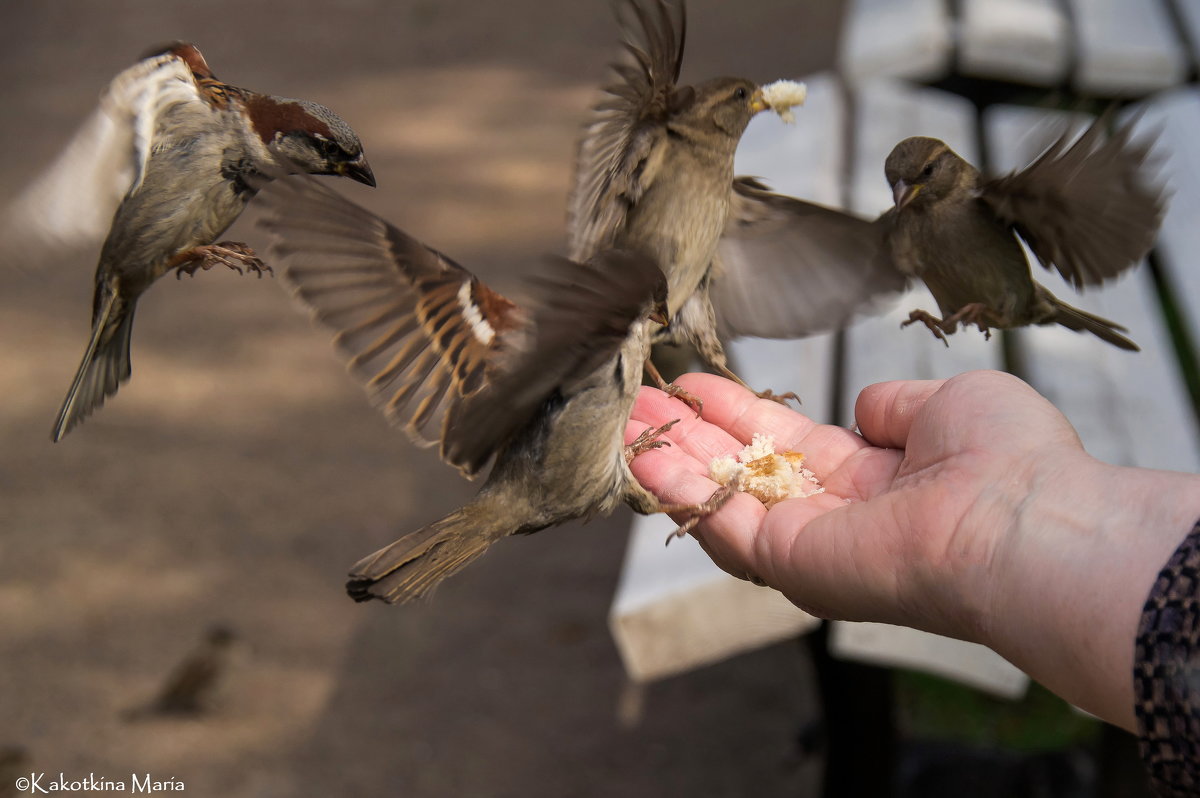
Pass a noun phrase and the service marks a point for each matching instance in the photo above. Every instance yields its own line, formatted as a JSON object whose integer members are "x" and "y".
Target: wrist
{"x": 1071, "y": 574}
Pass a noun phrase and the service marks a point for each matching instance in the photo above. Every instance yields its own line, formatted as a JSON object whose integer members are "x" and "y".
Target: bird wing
{"x": 1086, "y": 208}
{"x": 425, "y": 336}
{"x": 788, "y": 268}
{"x": 624, "y": 127}
{"x": 72, "y": 203}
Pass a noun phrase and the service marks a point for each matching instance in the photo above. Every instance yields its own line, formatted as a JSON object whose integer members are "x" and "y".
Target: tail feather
{"x": 104, "y": 368}
{"x": 411, "y": 567}
{"x": 1081, "y": 320}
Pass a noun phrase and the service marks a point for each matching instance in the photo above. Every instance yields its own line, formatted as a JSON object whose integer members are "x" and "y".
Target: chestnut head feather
{"x": 309, "y": 136}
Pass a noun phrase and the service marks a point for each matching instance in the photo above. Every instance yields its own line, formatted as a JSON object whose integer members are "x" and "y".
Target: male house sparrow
{"x": 163, "y": 166}
{"x": 546, "y": 390}
{"x": 655, "y": 172}
{"x": 1083, "y": 208}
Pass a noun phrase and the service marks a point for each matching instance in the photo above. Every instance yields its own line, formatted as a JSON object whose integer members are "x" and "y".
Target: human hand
{"x": 914, "y": 511}
{"x": 966, "y": 507}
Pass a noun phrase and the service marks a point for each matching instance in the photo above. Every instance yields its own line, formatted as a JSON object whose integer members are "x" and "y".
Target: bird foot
{"x": 647, "y": 441}
{"x": 931, "y": 321}
{"x": 697, "y": 512}
{"x": 689, "y": 399}
{"x": 781, "y": 398}
{"x": 233, "y": 254}
{"x": 975, "y": 313}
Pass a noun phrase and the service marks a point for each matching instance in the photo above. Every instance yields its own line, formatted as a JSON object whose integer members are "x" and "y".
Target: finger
{"x": 696, "y": 436}
{"x": 885, "y": 411}
{"x": 742, "y": 414}
{"x": 673, "y": 476}
{"x": 655, "y": 408}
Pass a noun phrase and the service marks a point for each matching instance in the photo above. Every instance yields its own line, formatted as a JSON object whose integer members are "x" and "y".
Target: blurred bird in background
{"x": 189, "y": 689}
{"x": 161, "y": 169}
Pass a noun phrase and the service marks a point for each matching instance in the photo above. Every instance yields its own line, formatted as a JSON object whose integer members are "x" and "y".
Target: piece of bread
{"x": 766, "y": 475}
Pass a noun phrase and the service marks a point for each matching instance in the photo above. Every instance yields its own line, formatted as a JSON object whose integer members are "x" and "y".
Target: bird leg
{"x": 671, "y": 389}
{"x": 648, "y": 440}
{"x": 931, "y": 321}
{"x": 233, "y": 254}
{"x": 781, "y": 398}
{"x": 697, "y": 512}
{"x": 975, "y": 313}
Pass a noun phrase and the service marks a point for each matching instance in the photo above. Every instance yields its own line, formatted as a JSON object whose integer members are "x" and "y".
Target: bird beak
{"x": 903, "y": 193}
{"x": 358, "y": 169}
{"x": 659, "y": 314}
{"x": 758, "y": 102}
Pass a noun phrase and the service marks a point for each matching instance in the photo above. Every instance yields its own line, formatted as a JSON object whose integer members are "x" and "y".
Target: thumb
{"x": 885, "y": 411}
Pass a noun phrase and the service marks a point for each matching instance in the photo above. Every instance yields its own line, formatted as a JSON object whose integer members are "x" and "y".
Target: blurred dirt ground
{"x": 240, "y": 473}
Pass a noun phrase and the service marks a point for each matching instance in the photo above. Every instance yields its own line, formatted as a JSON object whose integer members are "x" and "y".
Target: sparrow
{"x": 541, "y": 390}
{"x": 164, "y": 165}
{"x": 1084, "y": 208}
{"x": 189, "y": 688}
{"x": 655, "y": 172}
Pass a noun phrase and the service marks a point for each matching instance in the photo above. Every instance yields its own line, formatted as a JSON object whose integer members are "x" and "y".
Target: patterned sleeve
{"x": 1166, "y": 674}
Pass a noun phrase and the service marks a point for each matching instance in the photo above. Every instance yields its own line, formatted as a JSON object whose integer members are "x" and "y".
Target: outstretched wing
{"x": 426, "y": 337}
{"x": 72, "y": 203}
{"x": 1087, "y": 208}
{"x": 625, "y": 125}
{"x": 581, "y": 315}
{"x": 788, "y": 268}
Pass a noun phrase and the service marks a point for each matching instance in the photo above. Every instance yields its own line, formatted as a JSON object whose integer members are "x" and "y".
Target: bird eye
{"x": 741, "y": 93}
{"x": 927, "y": 171}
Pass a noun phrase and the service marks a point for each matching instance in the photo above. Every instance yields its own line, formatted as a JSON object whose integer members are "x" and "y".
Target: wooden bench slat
{"x": 900, "y": 647}
{"x": 899, "y": 38}
{"x": 1125, "y": 47}
{"x": 1026, "y": 41}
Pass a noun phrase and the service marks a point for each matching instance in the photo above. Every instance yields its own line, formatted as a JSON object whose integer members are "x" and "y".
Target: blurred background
{"x": 240, "y": 473}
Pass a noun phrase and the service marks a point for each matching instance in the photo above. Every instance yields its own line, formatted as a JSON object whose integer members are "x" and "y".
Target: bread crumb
{"x": 783, "y": 96}
{"x": 766, "y": 475}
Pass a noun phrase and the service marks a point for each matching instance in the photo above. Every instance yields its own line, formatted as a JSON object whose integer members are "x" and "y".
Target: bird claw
{"x": 931, "y": 321}
{"x": 689, "y": 399}
{"x": 647, "y": 441}
{"x": 975, "y": 313}
{"x": 781, "y": 398}
{"x": 698, "y": 512}
{"x": 231, "y": 254}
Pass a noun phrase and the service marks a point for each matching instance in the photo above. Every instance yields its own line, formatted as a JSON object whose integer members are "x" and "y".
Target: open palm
{"x": 913, "y": 509}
